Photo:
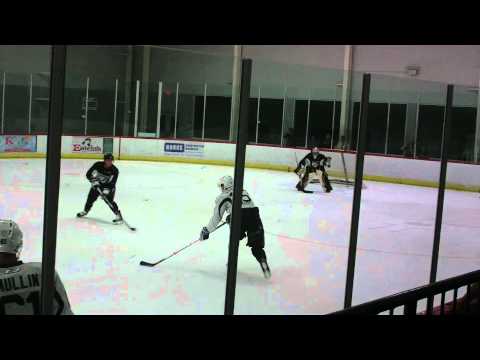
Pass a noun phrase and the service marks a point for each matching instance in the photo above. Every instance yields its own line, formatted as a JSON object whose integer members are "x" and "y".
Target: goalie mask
{"x": 11, "y": 238}
{"x": 225, "y": 183}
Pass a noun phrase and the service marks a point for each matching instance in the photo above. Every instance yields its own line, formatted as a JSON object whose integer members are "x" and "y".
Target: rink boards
{"x": 460, "y": 176}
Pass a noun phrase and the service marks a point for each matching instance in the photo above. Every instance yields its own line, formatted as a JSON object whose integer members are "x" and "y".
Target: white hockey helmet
{"x": 225, "y": 183}
{"x": 11, "y": 238}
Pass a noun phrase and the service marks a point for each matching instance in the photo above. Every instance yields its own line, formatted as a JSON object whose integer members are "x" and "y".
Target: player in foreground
{"x": 19, "y": 282}
{"x": 252, "y": 226}
{"x": 103, "y": 176}
{"x": 311, "y": 164}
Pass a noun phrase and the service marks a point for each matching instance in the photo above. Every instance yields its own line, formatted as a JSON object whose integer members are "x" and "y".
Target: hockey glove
{"x": 106, "y": 192}
{"x": 95, "y": 183}
{"x": 204, "y": 234}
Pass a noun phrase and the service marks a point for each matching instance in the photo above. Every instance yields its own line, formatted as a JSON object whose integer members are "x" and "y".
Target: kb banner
{"x": 18, "y": 143}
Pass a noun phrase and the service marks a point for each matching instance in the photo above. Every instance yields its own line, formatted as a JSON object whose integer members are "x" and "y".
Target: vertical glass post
{"x": 30, "y": 105}
{"x": 3, "y": 103}
{"x": 476, "y": 147}
{"x": 357, "y": 192}
{"x": 176, "y": 112}
{"x": 258, "y": 117}
{"x": 205, "y": 109}
{"x": 52, "y": 181}
{"x": 415, "y": 140}
{"x": 137, "y": 95}
{"x": 308, "y": 117}
{"x": 333, "y": 123}
{"x": 441, "y": 183}
{"x": 388, "y": 129}
{"x": 283, "y": 114}
{"x": 159, "y": 107}
{"x": 242, "y": 139}
{"x": 115, "y": 108}
{"x": 86, "y": 106}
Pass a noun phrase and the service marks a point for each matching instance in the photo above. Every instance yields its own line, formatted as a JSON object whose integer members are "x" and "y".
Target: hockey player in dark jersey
{"x": 103, "y": 176}
{"x": 311, "y": 163}
{"x": 252, "y": 226}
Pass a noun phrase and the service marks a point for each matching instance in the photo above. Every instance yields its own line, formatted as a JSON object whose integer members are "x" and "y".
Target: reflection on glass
{"x": 217, "y": 111}
{"x": 40, "y": 103}
{"x": 16, "y": 103}
{"x": 429, "y": 133}
{"x": 377, "y": 125}
{"x": 396, "y": 128}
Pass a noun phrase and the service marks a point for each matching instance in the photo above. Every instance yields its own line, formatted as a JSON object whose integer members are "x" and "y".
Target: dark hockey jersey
{"x": 107, "y": 177}
{"x": 314, "y": 161}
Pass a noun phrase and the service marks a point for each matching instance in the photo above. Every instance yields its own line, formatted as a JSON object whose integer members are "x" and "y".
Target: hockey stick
{"x": 145, "y": 263}
{"x": 104, "y": 198}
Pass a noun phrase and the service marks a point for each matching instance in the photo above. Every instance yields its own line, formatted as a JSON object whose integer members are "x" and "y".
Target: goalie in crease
{"x": 310, "y": 166}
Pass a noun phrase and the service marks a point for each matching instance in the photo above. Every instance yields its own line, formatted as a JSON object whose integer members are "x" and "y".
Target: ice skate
{"x": 118, "y": 219}
{"x": 82, "y": 214}
{"x": 265, "y": 269}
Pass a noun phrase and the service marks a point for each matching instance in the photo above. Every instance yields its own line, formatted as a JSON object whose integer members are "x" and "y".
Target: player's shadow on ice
{"x": 242, "y": 277}
{"x": 93, "y": 220}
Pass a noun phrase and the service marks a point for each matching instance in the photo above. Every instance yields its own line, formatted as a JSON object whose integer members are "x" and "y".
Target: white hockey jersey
{"x": 20, "y": 291}
{"x": 223, "y": 203}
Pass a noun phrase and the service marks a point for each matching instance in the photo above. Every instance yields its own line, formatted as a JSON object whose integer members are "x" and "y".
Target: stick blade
{"x": 144, "y": 263}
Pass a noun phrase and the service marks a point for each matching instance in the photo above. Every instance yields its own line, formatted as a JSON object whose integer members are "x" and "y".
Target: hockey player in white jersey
{"x": 252, "y": 226}
{"x": 19, "y": 282}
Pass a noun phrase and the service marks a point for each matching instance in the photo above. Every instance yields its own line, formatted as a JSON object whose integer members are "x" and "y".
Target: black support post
{"x": 441, "y": 183}
{"x": 357, "y": 192}
{"x": 52, "y": 182}
{"x": 236, "y": 220}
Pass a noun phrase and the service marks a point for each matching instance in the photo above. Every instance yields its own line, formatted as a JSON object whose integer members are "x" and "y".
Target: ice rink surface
{"x": 307, "y": 239}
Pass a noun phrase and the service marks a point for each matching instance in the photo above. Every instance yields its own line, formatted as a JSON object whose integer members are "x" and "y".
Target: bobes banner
{"x": 18, "y": 143}
{"x": 87, "y": 145}
{"x": 184, "y": 149}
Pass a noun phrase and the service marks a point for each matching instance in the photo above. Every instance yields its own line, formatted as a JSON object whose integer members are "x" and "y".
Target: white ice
{"x": 307, "y": 238}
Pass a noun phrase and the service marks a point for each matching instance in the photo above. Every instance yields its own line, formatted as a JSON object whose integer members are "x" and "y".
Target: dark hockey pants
{"x": 93, "y": 196}
{"x": 252, "y": 228}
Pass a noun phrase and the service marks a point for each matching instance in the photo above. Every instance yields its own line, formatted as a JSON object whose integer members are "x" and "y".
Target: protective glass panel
{"x": 399, "y": 196}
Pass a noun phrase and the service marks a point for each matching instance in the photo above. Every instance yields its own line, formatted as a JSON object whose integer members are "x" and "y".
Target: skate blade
{"x": 266, "y": 271}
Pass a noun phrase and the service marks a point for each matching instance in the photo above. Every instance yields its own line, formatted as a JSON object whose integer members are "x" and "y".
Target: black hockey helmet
{"x": 108, "y": 156}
